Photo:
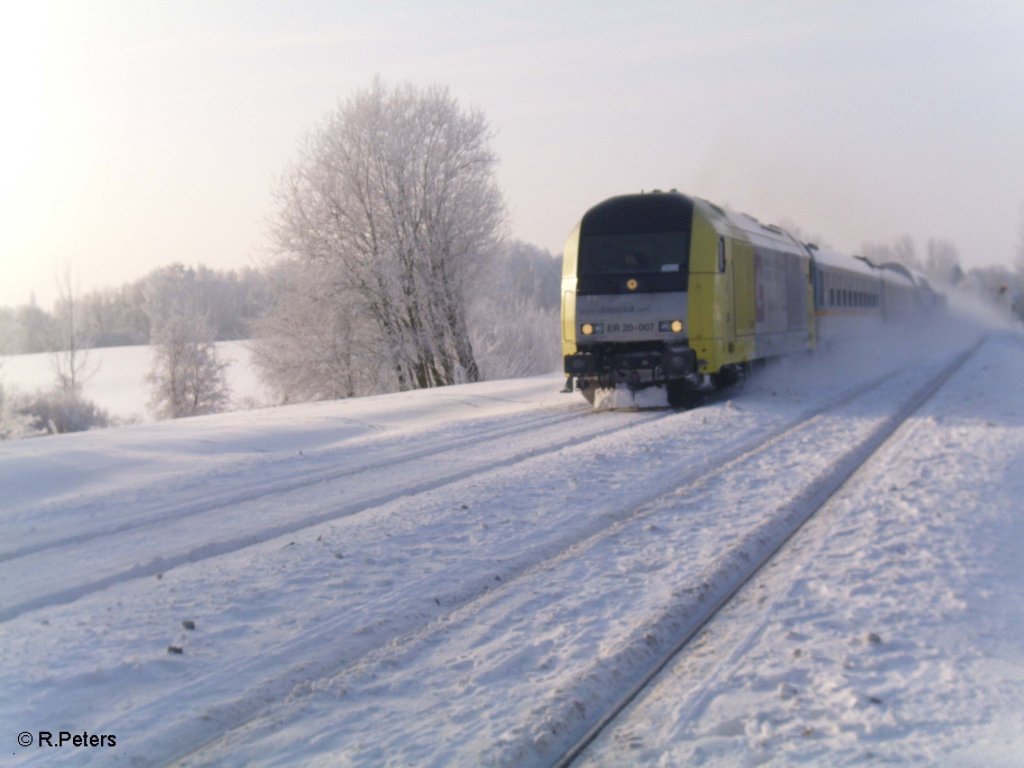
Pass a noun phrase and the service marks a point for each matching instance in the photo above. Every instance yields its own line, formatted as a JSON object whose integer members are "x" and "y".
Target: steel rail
{"x": 810, "y": 502}
{"x": 713, "y": 465}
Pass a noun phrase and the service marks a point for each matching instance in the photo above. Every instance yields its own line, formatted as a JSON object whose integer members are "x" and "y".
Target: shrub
{"x": 53, "y": 412}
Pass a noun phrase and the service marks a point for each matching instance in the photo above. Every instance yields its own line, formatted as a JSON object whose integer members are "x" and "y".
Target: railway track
{"x": 532, "y": 565}
{"x": 334, "y": 654}
{"x": 148, "y": 514}
{"x": 758, "y": 549}
{"x": 249, "y": 532}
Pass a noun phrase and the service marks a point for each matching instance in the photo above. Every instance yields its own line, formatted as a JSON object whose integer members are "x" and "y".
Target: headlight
{"x": 587, "y": 329}
{"x": 670, "y": 326}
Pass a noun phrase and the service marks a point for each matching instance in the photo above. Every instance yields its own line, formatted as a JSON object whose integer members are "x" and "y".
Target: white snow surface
{"x": 469, "y": 575}
{"x": 116, "y": 378}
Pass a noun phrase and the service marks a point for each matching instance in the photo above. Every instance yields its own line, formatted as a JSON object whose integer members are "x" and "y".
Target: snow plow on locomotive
{"x": 670, "y": 291}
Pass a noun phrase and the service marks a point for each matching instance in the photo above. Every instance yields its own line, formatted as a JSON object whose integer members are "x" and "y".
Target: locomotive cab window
{"x": 635, "y": 253}
{"x": 642, "y": 241}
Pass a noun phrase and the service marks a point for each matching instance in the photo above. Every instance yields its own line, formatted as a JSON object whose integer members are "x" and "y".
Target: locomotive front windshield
{"x": 635, "y": 243}
{"x": 634, "y": 253}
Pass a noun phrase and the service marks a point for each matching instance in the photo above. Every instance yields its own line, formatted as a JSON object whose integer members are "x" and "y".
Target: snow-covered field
{"x": 469, "y": 575}
{"x": 117, "y": 378}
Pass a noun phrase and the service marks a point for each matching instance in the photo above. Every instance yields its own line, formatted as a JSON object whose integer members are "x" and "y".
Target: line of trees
{"x": 130, "y": 314}
{"x": 996, "y": 285}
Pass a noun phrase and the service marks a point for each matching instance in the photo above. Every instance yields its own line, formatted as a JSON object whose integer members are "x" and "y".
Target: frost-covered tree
{"x": 943, "y": 261}
{"x": 313, "y": 344}
{"x": 515, "y": 313}
{"x": 71, "y": 346}
{"x": 1020, "y": 243}
{"x": 187, "y": 378}
{"x": 393, "y": 205}
{"x": 905, "y": 253}
{"x": 902, "y": 251}
{"x": 33, "y": 329}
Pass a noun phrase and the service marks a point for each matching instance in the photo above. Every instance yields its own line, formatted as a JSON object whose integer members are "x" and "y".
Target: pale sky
{"x": 136, "y": 134}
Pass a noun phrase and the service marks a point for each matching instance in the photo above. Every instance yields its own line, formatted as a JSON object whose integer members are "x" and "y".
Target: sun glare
{"x": 24, "y": 53}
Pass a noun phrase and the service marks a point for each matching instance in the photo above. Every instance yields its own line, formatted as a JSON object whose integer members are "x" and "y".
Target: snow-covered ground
{"x": 469, "y": 575}
{"x": 892, "y": 630}
{"x": 116, "y": 378}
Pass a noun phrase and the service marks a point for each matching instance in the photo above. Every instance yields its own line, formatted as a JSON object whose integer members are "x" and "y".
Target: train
{"x": 667, "y": 290}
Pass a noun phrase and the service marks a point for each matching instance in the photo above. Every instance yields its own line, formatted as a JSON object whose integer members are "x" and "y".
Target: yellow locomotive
{"x": 662, "y": 289}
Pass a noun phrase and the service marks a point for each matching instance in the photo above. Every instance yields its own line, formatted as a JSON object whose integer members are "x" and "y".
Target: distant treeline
{"x": 114, "y": 317}
{"x": 232, "y": 301}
